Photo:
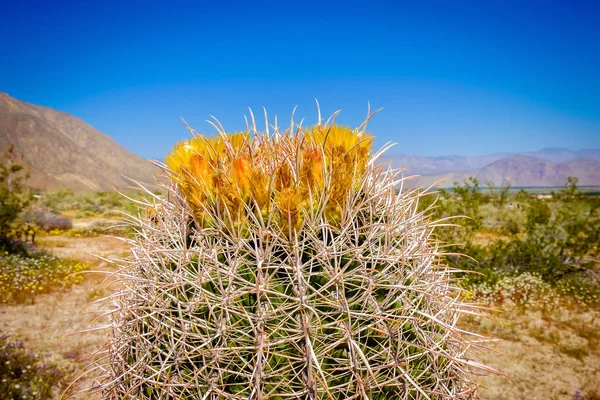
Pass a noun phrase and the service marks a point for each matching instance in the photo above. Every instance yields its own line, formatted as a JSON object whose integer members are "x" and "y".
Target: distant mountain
{"x": 62, "y": 151}
{"x": 439, "y": 165}
{"x": 558, "y": 155}
{"x": 547, "y": 167}
{"x": 522, "y": 171}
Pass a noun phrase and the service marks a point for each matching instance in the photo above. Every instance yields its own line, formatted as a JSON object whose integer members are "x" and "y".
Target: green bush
{"x": 538, "y": 213}
{"x": 556, "y": 240}
{"x": 468, "y": 200}
{"x": 13, "y": 199}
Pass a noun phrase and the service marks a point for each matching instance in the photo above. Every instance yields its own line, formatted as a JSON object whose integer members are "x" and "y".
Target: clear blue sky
{"x": 453, "y": 77}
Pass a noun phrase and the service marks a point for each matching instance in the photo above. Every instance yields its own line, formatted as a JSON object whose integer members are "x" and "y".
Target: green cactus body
{"x": 304, "y": 274}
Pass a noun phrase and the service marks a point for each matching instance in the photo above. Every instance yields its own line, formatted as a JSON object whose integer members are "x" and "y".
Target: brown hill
{"x": 524, "y": 171}
{"x": 62, "y": 151}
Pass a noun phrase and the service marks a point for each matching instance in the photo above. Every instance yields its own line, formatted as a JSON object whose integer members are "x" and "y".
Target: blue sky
{"x": 461, "y": 77}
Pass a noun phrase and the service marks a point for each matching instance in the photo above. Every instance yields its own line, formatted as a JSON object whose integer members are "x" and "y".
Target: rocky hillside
{"x": 62, "y": 151}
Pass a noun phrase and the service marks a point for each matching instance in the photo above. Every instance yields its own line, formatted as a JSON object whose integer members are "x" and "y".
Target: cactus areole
{"x": 285, "y": 264}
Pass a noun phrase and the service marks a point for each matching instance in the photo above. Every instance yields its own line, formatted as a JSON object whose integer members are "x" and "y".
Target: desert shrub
{"x": 46, "y": 220}
{"x": 22, "y": 277}
{"x": 570, "y": 189}
{"x": 13, "y": 198}
{"x": 578, "y": 224}
{"x": 505, "y": 221}
{"x": 499, "y": 195}
{"x": 531, "y": 254}
{"x": 109, "y": 203}
{"x": 24, "y": 374}
{"x": 538, "y": 213}
{"x": 109, "y": 199}
{"x": 285, "y": 266}
{"x": 510, "y": 225}
{"x": 556, "y": 241}
{"x": 500, "y": 265}
{"x": 58, "y": 201}
{"x": 90, "y": 203}
{"x": 468, "y": 201}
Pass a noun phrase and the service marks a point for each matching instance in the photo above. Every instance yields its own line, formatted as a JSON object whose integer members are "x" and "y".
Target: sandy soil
{"x": 87, "y": 249}
{"x": 550, "y": 355}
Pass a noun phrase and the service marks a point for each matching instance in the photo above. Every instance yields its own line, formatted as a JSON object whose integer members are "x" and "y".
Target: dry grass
{"x": 84, "y": 249}
{"x": 485, "y": 237}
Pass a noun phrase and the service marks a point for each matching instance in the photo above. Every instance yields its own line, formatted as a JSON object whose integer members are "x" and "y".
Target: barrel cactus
{"x": 285, "y": 264}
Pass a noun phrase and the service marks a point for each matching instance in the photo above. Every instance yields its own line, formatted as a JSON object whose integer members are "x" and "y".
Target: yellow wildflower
{"x": 311, "y": 173}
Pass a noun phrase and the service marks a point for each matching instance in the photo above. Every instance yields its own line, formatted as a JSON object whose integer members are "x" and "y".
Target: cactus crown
{"x": 233, "y": 175}
{"x": 286, "y": 265}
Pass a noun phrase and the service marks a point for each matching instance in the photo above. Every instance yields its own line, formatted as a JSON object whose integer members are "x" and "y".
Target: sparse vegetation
{"x": 81, "y": 205}
{"x": 23, "y": 277}
{"x": 553, "y": 244}
{"x": 25, "y": 374}
{"x": 26, "y": 271}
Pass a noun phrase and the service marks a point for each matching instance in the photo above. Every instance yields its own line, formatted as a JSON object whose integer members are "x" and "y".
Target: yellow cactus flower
{"x": 179, "y": 157}
{"x": 229, "y": 172}
{"x": 239, "y": 174}
{"x": 259, "y": 188}
{"x": 238, "y": 141}
{"x": 212, "y": 148}
{"x": 311, "y": 173}
{"x": 289, "y": 201}
{"x": 284, "y": 178}
{"x": 341, "y": 141}
{"x": 347, "y": 154}
{"x": 199, "y": 169}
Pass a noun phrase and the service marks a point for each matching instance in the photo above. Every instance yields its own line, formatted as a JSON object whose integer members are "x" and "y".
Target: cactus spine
{"x": 285, "y": 265}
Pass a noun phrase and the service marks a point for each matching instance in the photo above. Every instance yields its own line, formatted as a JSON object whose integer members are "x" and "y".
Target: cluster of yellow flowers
{"x": 23, "y": 277}
{"x": 283, "y": 174}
